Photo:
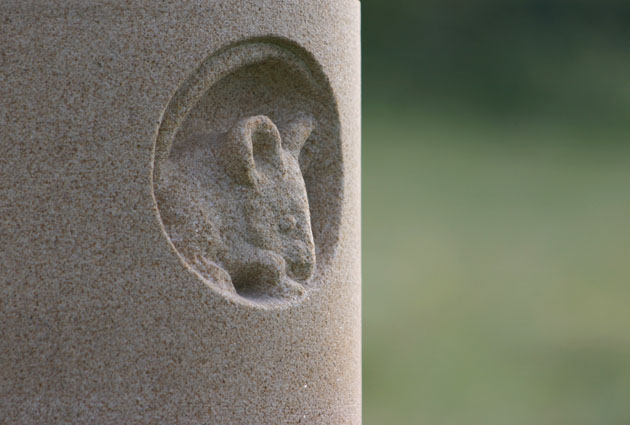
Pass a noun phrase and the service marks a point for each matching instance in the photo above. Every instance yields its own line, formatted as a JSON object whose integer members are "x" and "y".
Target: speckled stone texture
{"x": 180, "y": 212}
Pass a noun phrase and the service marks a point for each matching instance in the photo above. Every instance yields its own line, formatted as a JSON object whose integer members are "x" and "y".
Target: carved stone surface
{"x": 235, "y": 204}
{"x": 229, "y": 182}
{"x": 180, "y": 212}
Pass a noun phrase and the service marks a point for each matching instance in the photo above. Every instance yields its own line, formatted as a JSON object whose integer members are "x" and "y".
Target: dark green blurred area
{"x": 496, "y": 277}
{"x": 559, "y": 59}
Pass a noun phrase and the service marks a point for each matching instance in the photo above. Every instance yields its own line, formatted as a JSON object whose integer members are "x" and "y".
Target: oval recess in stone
{"x": 248, "y": 175}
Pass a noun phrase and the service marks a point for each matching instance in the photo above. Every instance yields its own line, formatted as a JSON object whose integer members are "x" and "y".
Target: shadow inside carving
{"x": 248, "y": 178}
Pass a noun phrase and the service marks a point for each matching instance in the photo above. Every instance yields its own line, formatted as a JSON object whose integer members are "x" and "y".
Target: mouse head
{"x": 265, "y": 166}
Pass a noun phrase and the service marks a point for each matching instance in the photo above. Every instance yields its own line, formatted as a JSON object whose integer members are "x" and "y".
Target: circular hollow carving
{"x": 247, "y": 172}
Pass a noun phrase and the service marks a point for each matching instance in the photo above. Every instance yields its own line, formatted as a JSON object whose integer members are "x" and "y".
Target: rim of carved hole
{"x": 247, "y": 172}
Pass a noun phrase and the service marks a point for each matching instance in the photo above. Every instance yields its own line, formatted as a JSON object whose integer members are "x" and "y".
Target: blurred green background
{"x": 496, "y": 206}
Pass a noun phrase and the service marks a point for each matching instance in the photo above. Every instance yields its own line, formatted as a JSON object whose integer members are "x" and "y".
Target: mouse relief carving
{"x": 247, "y": 173}
{"x": 235, "y": 205}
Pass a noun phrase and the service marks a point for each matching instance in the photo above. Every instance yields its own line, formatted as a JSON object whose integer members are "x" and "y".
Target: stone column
{"x": 180, "y": 212}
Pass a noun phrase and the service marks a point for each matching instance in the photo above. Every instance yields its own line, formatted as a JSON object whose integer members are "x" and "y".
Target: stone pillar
{"x": 180, "y": 212}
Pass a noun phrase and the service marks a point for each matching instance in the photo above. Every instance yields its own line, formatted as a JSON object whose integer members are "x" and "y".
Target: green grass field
{"x": 496, "y": 276}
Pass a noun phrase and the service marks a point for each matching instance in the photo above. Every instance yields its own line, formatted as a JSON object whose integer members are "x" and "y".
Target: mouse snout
{"x": 300, "y": 261}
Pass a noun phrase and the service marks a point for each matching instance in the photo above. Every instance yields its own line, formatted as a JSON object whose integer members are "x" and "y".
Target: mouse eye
{"x": 287, "y": 223}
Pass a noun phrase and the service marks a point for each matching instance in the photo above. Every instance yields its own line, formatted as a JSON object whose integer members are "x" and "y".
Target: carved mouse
{"x": 235, "y": 205}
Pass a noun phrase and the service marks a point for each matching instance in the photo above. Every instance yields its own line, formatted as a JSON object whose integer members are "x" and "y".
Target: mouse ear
{"x": 251, "y": 145}
{"x": 297, "y": 133}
